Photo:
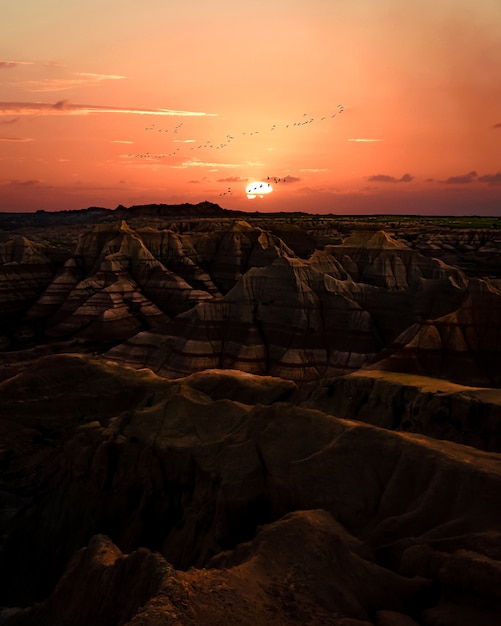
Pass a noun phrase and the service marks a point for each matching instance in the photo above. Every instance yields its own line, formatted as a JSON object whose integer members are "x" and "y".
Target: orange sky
{"x": 361, "y": 106}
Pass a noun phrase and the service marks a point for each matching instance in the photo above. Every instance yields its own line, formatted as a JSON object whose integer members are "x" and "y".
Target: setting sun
{"x": 258, "y": 188}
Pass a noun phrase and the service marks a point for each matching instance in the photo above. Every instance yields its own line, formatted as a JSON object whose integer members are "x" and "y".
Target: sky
{"x": 360, "y": 107}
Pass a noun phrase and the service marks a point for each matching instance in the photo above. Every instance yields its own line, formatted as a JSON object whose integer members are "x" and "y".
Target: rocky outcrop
{"x": 411, "y": 403}
{"x": 374, "y": 257}
{"x": 25, "y": 270}
{"x": 287, "y": 574}
{"x": 463, "y": 346}
{"x": 167, "y": 469}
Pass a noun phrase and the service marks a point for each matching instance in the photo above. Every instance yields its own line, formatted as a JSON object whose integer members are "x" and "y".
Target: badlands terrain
{"x": 210, "y": 417}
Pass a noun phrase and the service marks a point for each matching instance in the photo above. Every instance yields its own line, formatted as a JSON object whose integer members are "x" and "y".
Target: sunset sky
{"x": 360, "y": 106}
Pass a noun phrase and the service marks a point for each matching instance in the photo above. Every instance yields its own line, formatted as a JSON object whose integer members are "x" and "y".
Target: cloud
{"x": 64, "y": 107}
{"x": 12, "y": 121}
{"x": 7, "y": 65}
{"x": 78, "y": 79}
{"x": 314, "y": 169}
{"x": 384, "y": 178}
{"x": 197, "y": 163}
{"x": 32, "y": 182}
{"x": 497, "y": 125}
{"x": 291, "y": 179}
{"x": 232, "y": 179}
{"x": 461, "y": 180}
{"x": 365, "y": 140}
{"x": 21, "y": 139}
{"x": 491, "y": 179}
{"x": 121, "y": 141}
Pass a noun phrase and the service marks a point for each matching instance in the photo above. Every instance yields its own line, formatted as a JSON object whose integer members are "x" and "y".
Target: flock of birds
{"x": 258, "y": 186}
{"x": 229, "y": 138}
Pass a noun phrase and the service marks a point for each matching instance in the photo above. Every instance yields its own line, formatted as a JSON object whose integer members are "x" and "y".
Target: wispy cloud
{"x": 121, "y": 141}
{"x": 12, "y": 121}
{"x": 21, "y": 139}
{"x": 363, "y": 140}
{"x": 78, "y": 79}
{"x": 31, "y": 182}
{"x": 497, "y": 125}
{"x": 197, "y": 163}
{"x": 232, "y": 179}
{"x": 384, "y": 178}
{"x": 462, "y": 179}
{"x": 63, "y": 107}
{"x": 7, "y": 65}
{"x": 314, "y": 169}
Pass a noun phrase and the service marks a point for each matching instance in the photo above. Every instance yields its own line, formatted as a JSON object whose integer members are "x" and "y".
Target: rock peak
{"x": 379, "y": 239}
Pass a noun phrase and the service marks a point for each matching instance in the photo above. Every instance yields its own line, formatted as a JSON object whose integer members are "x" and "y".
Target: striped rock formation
{"x": 296, "y": 318}
{"x": 463, "y": 346}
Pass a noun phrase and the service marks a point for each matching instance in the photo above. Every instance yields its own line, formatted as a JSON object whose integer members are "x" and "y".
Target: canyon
{"x": 213, "y": 416}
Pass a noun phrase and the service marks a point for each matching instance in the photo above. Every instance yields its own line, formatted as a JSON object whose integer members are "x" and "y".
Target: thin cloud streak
{"x": 7, "y": 65}
{"x": 232, "y": 179}
{"x": 86, "y": 79}
{"x": 361, "y": 140}
{"x": 20, "y": 139}
{"x": 63, "y": 107}
{"x": 197, "y": 163}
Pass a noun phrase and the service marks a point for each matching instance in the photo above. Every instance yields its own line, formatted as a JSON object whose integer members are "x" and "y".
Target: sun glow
{"x": 258, "y": 188}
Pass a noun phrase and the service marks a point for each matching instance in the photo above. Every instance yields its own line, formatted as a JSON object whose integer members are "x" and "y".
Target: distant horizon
{"x": 255, "y": 211}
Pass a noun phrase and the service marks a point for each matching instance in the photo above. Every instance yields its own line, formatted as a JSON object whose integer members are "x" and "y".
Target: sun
{"x": 258, "y": 188}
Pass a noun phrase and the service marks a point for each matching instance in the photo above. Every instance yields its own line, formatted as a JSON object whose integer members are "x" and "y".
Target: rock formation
{"x": 254, "y": 419}
{"x": 412, "y": 403}
{"x": 463, "y": 346}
